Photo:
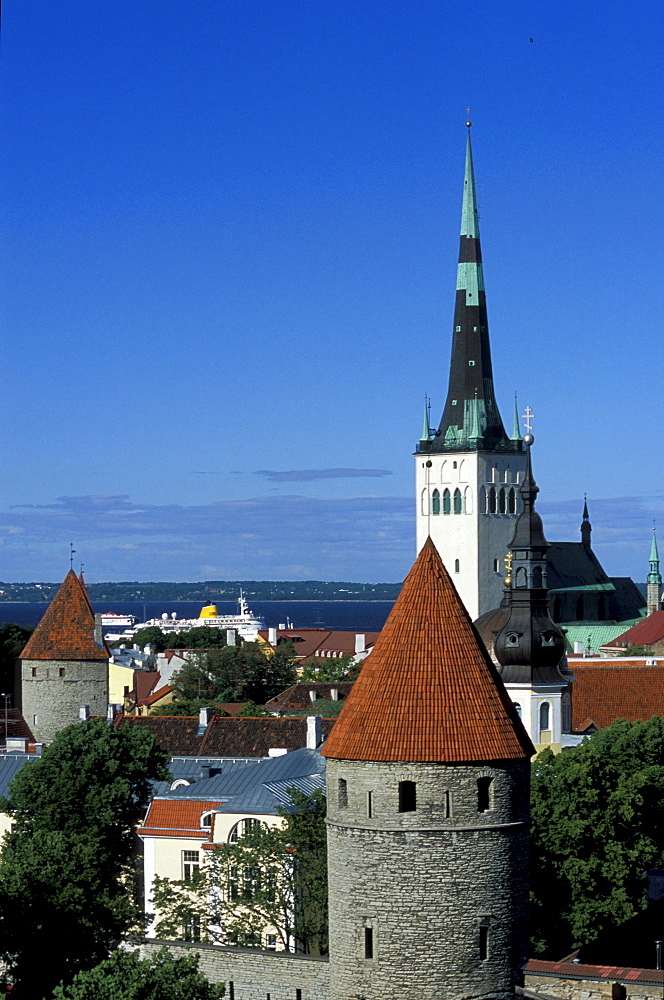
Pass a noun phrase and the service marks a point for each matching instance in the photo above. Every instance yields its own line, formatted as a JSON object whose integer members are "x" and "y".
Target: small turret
{"x": 654, "y": 585}
{"x": 586, "y": 526}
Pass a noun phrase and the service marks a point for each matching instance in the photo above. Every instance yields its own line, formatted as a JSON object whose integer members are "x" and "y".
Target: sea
{"x": 347, "y": 616}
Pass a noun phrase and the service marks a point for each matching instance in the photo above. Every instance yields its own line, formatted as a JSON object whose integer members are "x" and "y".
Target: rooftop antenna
{"x": 72, "y": 551}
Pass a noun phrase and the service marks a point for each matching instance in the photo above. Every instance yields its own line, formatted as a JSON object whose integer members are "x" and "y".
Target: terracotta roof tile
{"x": 176, "y": 734}
{"x": 605, "y": 694}
{"x": 644, "y": 633}
{"x": 428, "y": 691}
{"x": 170, "y": 817}
{"x": 297, "y": 695}
{"x": 67, "y": 630}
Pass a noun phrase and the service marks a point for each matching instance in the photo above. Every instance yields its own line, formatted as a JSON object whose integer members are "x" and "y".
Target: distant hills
{"x": 211, "y": 591}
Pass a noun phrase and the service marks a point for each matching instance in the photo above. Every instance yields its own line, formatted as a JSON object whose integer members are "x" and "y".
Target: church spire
{"x": 426, "y": 429}
{"x": 471, "y": 420}
{"x": 654, "y": 584}
{"x": 586, "y": 526}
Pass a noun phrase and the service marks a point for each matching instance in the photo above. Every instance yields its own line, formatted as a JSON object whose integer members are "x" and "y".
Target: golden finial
{"x": 508, "y": 566}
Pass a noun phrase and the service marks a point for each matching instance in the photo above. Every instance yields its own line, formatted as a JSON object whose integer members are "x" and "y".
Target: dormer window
{"x": 548, "y": 638}
{"x": 513, "y": 638}
{"x": 206, "y": 821}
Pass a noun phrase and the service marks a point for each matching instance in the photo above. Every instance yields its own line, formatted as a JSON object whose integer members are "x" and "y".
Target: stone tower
{"x": 64, "y": 665}
{"x": 468, "y": 470}
{"x": 529, "y": 647}
{"x": 427, "y": 792}
{"x": 654, "y": 585}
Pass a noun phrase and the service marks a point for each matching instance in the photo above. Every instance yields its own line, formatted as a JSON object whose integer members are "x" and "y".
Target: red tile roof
{"x": 428, "y": 691}
{"x": 67, "y": 630}
{"x": 297, "y": 696}
{"x": 177, "y": 817}
{"x": 644, "y": 633}
{"x": 604, "y": 694}
{"x": 577, "y": 970}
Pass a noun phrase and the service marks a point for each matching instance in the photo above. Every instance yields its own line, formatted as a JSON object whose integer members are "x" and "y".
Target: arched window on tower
{"x": 483, "y": 507}
{"x": 425, "y": 502}
{"x": 537, "y": 577}
{"x": 501, "y": 502}
{"x": 445, "y": 472}
{"x": 544, "y": 718}
{"x": 492, "y": 500}
{"x": 521, "y": 580}
{"x": 456, "y": 565}
{"x": 447, "y": 502}
{"x": 435, "y": 502}
{"x": 511, "y": 504}
{"x": 462, "y": 471}
{"x": 468, "y": 500}
{"x": 458, "y": 503}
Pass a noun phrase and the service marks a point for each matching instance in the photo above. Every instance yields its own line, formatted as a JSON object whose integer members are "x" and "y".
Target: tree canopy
{"x": 245, "y": 672}
{"x": 125, "y": 976}
{"x": 66, "y": 873}
{"x": 272, "y": 879}
{"x": 597, "y": 826}
{"x": 12, "y": 640}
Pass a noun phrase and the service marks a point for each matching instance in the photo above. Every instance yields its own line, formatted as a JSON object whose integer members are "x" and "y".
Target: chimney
{"x": 204, "y": 717}
{"x": 314, "y": 732}
{"x": 230, "y": 636}
{"x": 205, "y": 771}
{"x": 360, "y": 642}
{"x": 312, "y": 695}
{"x": 578, "y": 648}
{"x": 334, "y": 694}
{"x": 272, "y": 636}
{"x": 83, "y": 713}
{"x": 282, "y": 625}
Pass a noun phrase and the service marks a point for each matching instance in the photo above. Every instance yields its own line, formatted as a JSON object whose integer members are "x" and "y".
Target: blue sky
{"x": 228, "y": 271}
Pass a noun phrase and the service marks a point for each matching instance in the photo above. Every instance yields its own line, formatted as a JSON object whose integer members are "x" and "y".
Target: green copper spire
{"x": 516, "y": 430}
{"x": 654, "y": 576}
{"x": 426, "y": 430}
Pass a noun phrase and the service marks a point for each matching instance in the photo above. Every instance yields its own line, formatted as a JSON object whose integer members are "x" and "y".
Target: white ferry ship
{"x": 245, "y": 623}
{"x": 110, "y": 619}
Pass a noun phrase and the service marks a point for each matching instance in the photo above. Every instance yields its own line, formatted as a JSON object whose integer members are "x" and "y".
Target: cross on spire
{"x": 528, "y": 418}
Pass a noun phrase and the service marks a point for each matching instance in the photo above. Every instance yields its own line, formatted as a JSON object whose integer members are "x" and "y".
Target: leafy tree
{"x": 12, "y": 640}
{"x": 66, "y": 872}
{"x": 327, "y": 668}
{"x": 250, "y": 710}
{"x": 598, "y": 825}
{"x": 635, "y": 651}
{"x": 236, "y": 673}
{"x": 325, "y": 707}
{"x": 188, "y": 708}
{"x": 271, "y": 879}
{"x": 125, "y": 976}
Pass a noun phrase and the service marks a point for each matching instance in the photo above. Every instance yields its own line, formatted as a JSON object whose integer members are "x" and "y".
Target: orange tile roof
{"x": 177, "y": 817}
{"x": 644, "y": 633}
{"x": 67, "y": 630}
{"x": 428, "y": 691}
{"x": 605, "y": 694}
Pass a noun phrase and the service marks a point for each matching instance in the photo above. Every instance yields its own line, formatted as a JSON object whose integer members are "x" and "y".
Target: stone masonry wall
{"x": 439, "y": 893}
{"x": 249, "y": 974}
{"x": 52, "y": 692}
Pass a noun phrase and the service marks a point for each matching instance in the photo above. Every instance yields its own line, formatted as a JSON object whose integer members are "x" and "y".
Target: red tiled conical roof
{"x": 428, "y": 691}
{"x": 67, "y": 630}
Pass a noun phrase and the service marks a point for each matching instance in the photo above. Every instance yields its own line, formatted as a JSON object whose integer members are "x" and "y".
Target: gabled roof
{"x": 297, "y": 696}
{"x": 604, "y": 694}
{"x": 428, "y": 691}
{"x": 67, "y": 630}
{"x": 644, "y": 633}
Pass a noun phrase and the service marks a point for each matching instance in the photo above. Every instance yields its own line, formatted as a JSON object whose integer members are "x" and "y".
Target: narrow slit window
{"x": 407, "y": 796}
{"x": 370, "y": 804}
{"x": 368, "y": 942}
{"x": 484, "y": 794}
{"x": 447, "y": 810}
{"x": 343, "y": 793}
{"x": 484, "y": 943}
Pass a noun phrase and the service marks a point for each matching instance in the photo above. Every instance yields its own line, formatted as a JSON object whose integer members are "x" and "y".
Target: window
{"x": 425, "y": 502}
{"x": 501, "y": 502}
{"x": 484, "y": 943}
{"x": 368, "y": 942}
{"x": 242, "y": 828}
{"x": 456, "y": 565}
{"x": 518, "y": 708}
{"x": 206, "y": 821}
{"x": 34, "y": 671}
{"x": 447, "y": 505}
{"x": 468, "y": 500}
{"x": 447, "y": 805}
{"x": 484, "y": 795}
{"x": 483, "y": 506}
{"x": 492, "y": 500}
{"x": 370, "y": 806}
{"x": 192, "y": 928}
{"x": 458, "y": 505}
{"x": 496, "y": 565}
{"x": 35, "y": 720}
{"x": 545, "y": 716}
{"x": 538, "y": 577}
{"x": 435, "y": 502}
{"x": 191, "y": 864}
{"x": 343, "y": 793}
{"x": 521, "y": 580}
{"x": 271, "y": 943}
{"x": 471, "y": 364}
{"x": 61, "y": 672}
{"x": 407, "y": 796}
{"x": 511, "y": 502}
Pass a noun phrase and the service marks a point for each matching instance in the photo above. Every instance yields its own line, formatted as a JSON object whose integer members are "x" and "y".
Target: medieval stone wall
{"x": 591, "y": 989}
{"x": 52, "y": 692}
{"x": 249, "y": 974}
{"x": 430, "y": 902}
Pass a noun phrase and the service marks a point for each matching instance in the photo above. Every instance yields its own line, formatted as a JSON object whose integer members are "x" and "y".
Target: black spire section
{"x": 586, "y": 527}
{"x": 471, "y": 420}
{"x": 529, "y": 646}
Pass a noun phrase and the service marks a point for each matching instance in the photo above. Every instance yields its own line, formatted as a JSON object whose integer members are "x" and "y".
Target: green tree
{"x": 12, "y": 640}
{"x": 236, "y": 673}
{"x": 597, "y": 826}
{"x": 272, "y": 877}
{"x": 124, "y": 976}
{"x": 325, "y": 668}
{"x": 188, "y": 708}
{"x": 66, "y": 874}
{"x": 250, "y": 710}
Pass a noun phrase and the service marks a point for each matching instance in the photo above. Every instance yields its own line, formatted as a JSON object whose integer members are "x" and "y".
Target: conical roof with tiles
{"x": 428, "y": 691}
{"x": 67, "y": 630}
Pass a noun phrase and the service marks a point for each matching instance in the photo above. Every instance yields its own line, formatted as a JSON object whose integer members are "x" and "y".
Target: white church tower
{"x": 468, "y": 471}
